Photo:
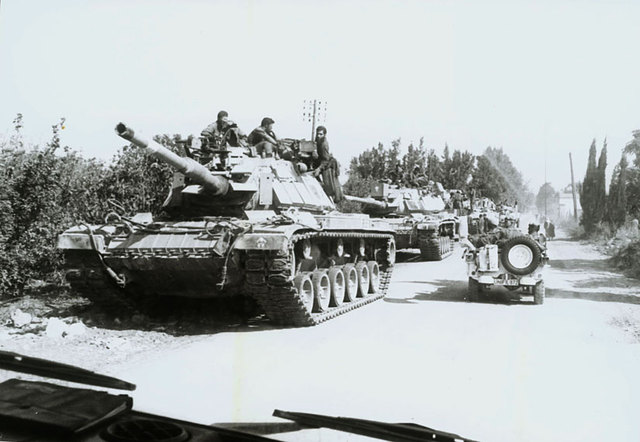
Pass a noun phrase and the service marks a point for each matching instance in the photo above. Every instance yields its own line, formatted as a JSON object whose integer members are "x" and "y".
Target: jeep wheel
{"x": 520, "y": 255}
{"x": 473, "y": 293}
{"x": 538, "y": 293}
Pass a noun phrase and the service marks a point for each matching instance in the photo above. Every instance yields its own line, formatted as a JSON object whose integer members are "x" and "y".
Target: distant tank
{"x": 417, "y": 216}
{"x": 239, "y": 225}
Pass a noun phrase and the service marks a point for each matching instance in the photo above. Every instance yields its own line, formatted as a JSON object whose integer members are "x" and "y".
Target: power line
{"x": 314, "y": 112}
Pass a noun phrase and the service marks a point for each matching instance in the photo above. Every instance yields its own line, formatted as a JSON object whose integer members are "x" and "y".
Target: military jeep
{"x": 515, "y": 263}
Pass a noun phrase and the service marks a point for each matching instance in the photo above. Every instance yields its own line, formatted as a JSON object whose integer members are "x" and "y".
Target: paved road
{"x": 502, "y": 370}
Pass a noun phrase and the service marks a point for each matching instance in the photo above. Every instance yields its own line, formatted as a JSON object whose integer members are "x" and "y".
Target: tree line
{"x": 490, "y": 175}
{"x": 612, "y": 209}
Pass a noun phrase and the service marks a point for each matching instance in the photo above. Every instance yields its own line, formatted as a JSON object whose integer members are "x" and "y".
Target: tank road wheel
{"x": 351, "y": 279}
{"x": 337, "y": 285}
{"x": 322, "y": 290}
{"x": 473, "y": 294}
{"x": 363, "y": 278}
{"x": 391, "y": 252}
{"x": 304, "y": 286}
{"x": 538, "y": 293}
{"x": 431, "y": 248}
{"x": 446, "y": 245}
{"x": 374, "y": 277}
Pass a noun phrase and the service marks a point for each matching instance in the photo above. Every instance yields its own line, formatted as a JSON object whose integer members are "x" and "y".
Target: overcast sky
{"x": 530, "y": 77}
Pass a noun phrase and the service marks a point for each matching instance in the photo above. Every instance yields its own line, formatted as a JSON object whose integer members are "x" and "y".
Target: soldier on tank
{"x": 397, "y": 175}
{"x": 327, "y": 166}
{"x": 223, "y": 131}
{"x": 418, "y": 178}
{"x": 457, "y": 202}
{"x": 264, "y": 139}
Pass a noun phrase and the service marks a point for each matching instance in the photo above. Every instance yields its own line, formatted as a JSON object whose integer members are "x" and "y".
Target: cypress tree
{"x": 600, "y": 193}
{"x": 587, "y": 191}
{"x": 617, "y": 202}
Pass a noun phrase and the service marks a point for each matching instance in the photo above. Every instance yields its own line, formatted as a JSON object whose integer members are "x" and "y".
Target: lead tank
{"x": 239, "y": 225}
{"x": 417, "y": 216}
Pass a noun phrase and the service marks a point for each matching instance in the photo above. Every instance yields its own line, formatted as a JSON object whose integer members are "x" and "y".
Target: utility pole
{"x": 573, "y": 190}
{"x": 315, "y": 112}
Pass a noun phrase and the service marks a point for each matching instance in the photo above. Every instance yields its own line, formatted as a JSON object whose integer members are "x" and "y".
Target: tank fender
{"x": 260, "y": 241}
{"x": 80, "y": 241}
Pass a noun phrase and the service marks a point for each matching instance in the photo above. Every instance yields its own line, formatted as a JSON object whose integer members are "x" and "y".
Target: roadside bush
{"x": 42, "y": 192}
{"x": 572, "y": 228}
{"x": 135, "y": 180}
{"x": 627, "y": 258}
{"x": 45, "y": 190}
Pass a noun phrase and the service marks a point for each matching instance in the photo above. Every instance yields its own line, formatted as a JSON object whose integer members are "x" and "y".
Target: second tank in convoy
{"x": 417, "y": 215}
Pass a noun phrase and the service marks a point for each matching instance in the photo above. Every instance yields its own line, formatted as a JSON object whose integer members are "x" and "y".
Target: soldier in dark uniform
{"x": 327, "y": 166}
{"x": 457, "y": 202}
{"x": 397, "y": 175}
{"x": 264, "y": 139}
{"x": 223, "y": 131}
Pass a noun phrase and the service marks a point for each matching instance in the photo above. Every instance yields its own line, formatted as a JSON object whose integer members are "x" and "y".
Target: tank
{"x": 241, "y": 225}
{"x": 417, "y": 215}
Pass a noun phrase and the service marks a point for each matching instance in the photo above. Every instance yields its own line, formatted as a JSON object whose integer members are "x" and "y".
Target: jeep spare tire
{"x": 520, "y": 255}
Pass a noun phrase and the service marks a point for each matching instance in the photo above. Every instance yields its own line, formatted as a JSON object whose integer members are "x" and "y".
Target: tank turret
{"x": 233, "y": 181}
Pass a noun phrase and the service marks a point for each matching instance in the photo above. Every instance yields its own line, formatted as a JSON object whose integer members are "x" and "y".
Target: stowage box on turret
{"x": 240, "y": 225}
{"x": 417, "y": 216}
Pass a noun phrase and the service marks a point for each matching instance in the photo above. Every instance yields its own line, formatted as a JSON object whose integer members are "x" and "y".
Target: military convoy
{"x": 417, "y": 215}
{"x": 239, "y": 225}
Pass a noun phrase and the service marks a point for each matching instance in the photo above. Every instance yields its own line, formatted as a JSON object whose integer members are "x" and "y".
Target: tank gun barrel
{"x": 213, "y": 184}
{"x": 367, "y": 202}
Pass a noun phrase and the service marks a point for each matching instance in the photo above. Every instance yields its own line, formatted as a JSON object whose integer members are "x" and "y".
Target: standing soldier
{"x": 327, "y": 166}
{"x": 457, "y": 202}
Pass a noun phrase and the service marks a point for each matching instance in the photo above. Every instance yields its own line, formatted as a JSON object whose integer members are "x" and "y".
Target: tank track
{"x": 270, "y": 282}
{"x": 95, "y": 284}
{"x": 434, "y": 249}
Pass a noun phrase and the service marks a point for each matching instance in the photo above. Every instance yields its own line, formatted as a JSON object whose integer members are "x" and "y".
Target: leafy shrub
{"x": 572, "y": 228}
{"x": 45, "y": 190}
{"x": 628, "y": 258}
